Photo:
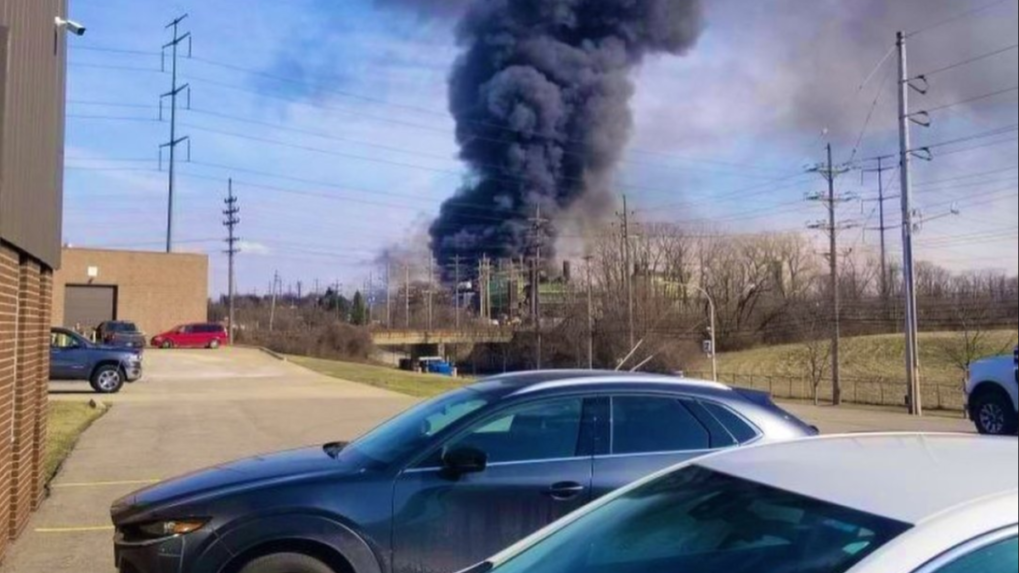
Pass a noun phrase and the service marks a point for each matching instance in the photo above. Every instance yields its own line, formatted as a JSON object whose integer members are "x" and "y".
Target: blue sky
{"x": 331, "y": 118}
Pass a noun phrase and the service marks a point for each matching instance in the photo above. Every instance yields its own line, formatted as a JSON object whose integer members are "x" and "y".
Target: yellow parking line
{"x": 102, "y": 528}
{"x": 105, "y": 483}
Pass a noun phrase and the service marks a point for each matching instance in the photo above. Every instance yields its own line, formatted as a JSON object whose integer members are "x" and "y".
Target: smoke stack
{"x": 541, "y": 96}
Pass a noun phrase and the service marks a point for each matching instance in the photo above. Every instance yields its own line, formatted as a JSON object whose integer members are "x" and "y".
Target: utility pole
{"x": 275, "y": 291}
{"x": 232, "y": 220}
{"x": 431, "y": 292}
{"x": 908, "y": 269}
{"x": 406, "y": 294}
{"x": 175, "y": 90}
{"x": 882, "y": 228}
{"x": 456, "y": 289}
{"x": 537, "y": 240}
{"x": 336, "y": 301}
{"x": 389, "y": 295}
{"x": 830, "y": 173}
{"x": 628, "y": 261}
{"x": 370, "y": 297}
{"x": 590, "y": 313}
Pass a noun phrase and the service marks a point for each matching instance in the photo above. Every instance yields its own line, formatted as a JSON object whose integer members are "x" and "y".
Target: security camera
{"x": 71, "y": 26}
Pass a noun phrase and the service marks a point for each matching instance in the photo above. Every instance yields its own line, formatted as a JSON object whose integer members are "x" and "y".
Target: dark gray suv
{"x": 107, "y": 369}
{"x": 444, "y": 485}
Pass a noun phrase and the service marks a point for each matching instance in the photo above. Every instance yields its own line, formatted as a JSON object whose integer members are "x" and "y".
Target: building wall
{"x": 25, "y": 291}
{"x": 32, "y": 88}
{"x": 155, "y": 290}
{"x": 32, "y": 93}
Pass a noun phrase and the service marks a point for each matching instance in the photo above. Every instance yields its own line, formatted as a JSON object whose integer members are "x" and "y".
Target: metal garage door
{"x": 89, "y": 306}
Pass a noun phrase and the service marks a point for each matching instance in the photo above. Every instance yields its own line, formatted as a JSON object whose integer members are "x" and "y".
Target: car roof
{"x": 521, "y": 383}
{"x": 910, "y": 478}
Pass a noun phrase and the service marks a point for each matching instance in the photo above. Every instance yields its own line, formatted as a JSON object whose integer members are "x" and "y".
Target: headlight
{"x": 163, "y": 529}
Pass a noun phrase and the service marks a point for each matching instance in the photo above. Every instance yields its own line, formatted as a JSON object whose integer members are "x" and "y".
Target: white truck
{"x": 993, "y": 395}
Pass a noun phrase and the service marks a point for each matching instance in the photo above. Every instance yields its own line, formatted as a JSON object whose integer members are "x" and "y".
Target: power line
{"x": 961, "y": 16}
{"x": 967, "y": 62}
{"x": 973, "y": 99}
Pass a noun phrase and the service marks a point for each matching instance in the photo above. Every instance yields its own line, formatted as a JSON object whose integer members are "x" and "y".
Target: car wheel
{"x": 214, "y": 345}
{"x": 994, "y": 415}
{"x": 287, "y": 563}
{"x": 108, "y": 380}
{"x": 167, "y": 345}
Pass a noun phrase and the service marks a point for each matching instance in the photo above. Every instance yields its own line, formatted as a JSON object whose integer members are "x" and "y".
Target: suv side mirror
{"x": 463, "y": 461}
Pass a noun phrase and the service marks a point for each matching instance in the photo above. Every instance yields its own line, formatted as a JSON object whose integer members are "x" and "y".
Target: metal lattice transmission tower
{"x": 173, "y": 46}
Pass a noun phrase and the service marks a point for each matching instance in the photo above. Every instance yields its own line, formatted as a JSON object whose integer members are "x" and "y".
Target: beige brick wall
{"x": 25, "y": 291}
{"x": 155, "y": 290}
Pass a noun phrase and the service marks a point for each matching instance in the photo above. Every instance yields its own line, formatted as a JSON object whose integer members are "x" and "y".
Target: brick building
{"x": 156, "y": 291}
{"x": 32, "y": 92}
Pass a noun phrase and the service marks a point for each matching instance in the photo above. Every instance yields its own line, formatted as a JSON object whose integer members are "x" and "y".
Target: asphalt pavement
{"x": 195, "y": 409}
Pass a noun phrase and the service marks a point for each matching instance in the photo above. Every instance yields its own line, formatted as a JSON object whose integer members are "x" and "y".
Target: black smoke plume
{"x": 541, "y": 98}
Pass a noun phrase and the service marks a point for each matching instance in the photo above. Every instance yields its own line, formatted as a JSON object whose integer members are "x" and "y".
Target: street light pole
{"x": 714, "y": 348}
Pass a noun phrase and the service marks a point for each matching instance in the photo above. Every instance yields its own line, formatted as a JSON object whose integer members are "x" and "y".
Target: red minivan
{"x": 193, "y": 336}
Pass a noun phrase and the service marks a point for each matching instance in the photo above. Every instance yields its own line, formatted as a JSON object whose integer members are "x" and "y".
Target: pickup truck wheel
{"x": 108, "y": 380}
{"x": 287, "y": 563}
{"x": 994, "y": 415}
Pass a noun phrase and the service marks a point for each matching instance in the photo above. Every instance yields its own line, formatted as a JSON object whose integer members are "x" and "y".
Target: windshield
{"x": 699, "y": 521}
{"x": 414, "y": 429}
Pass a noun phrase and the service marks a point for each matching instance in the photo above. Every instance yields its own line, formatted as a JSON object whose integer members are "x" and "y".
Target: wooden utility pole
{"x": 590, "y": 313}
{"x": 832, "y": 228}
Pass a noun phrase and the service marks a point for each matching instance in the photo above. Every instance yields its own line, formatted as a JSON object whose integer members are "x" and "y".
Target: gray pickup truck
{"x": 107, "y": 369}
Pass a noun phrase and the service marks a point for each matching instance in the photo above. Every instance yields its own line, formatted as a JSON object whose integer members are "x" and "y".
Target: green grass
{"x": 67, "y": 422}
{"x": 872, "y": 366}
{"x": 409, "y": 383}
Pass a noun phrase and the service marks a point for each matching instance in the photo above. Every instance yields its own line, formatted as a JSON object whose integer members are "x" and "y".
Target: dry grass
{"x": 67, "y": 422}
{"x": 409, "y": 383}
{"x": 873, "y": 368}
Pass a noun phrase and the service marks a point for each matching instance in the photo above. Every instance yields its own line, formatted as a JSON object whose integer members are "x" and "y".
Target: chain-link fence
{"x": 869, "y": 392}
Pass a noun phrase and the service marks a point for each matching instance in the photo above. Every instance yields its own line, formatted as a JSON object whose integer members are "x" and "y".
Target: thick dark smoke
{"x": 541, "y": 96}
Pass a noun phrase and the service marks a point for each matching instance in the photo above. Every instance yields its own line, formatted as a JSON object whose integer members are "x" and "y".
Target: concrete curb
{"x": 271, "y": 353}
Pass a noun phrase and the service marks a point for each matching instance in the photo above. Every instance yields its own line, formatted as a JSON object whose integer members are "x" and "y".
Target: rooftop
{"x": 907, "y": 477}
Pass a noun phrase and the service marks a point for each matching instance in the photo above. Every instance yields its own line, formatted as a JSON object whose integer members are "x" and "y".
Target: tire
{"x": 214, "y": 345}
{"x": 993, "y": 414}
{"x": 167, "y": 345}
{"x": 108, "y": 380}
{"x": 286, "y": 563}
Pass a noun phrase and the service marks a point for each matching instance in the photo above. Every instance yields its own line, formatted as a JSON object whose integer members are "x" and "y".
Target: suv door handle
{"x": 565, "y": 491}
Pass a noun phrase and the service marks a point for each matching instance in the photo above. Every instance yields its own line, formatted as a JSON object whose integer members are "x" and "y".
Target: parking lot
{"x": 199, "y": 408}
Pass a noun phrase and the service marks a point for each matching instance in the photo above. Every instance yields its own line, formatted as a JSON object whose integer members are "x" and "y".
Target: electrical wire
{"x": 972, "y": 99}
{"x": 967, "y": 62}
{"x": 958, "y": 17}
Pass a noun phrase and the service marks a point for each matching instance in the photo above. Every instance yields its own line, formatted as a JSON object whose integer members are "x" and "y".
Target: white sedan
{"x": 898, "y": 503}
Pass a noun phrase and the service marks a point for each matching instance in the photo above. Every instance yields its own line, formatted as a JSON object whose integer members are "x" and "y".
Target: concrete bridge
{"x": 392, "y": 338}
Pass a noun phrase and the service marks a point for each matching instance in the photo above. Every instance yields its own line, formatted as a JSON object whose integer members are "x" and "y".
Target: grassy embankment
{"x": 409, "y": 383}
{"x": 67, "y": 422}
{"x": 873, "y": 368}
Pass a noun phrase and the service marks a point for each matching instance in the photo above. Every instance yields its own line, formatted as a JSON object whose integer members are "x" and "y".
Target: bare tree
{"x": 973, "y": 340}
{"x": 815, "y": 351}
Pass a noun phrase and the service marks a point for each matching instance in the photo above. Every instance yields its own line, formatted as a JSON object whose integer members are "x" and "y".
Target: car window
{"x": 62, "y": 341}
{"x": 413, "y": 430}
{"x": 720, "y": 436}
{"x": 738, "y": 427}
{"x": 999, "y": 558}
{"x": 644, "y": 425}
{"x": 536, "y": 432}
{"x": 698, "y": 521}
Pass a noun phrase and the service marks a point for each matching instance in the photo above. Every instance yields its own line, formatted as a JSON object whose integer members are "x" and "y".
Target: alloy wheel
{"x": 109, "y": 381}
{"x": 992, "y": 418}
